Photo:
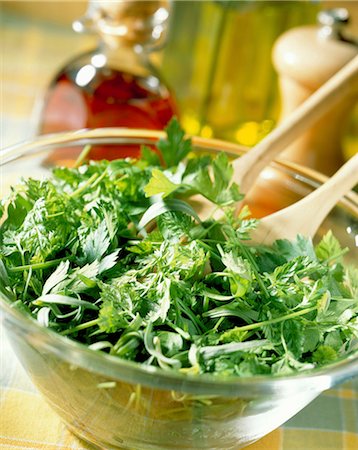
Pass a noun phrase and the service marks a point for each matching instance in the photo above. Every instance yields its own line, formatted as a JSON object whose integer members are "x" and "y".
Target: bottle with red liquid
{"x": 114, "y": 85}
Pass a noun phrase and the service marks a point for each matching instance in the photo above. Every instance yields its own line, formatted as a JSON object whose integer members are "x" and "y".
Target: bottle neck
{"x": 118, "y": 54}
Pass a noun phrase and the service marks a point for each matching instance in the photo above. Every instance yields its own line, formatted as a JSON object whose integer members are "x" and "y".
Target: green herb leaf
{"x": 219, "y": 189}
{"x": 159, "y": 184}
{"x": 329, "y": 248}
{"x": 175, "y": 147}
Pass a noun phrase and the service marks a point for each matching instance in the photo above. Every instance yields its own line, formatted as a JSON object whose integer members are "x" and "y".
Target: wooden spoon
{"x": 306, "y": 215}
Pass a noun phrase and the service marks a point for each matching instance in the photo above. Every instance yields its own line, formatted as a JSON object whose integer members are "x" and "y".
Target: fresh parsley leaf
{"x": 302, "y": 246}
{"x": 174, "y": 148}
{"x": 329, "y": 248}
{"x": 217, "y": 188}
{"x": 149, "y": 156}
{"x": 159, "y": 184}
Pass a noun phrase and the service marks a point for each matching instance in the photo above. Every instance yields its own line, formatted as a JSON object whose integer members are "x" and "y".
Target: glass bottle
{"x": 115, "y": 85}
{"x": 221, "y": 66}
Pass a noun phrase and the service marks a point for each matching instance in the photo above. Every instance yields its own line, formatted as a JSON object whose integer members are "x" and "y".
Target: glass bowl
{"x": 114, "y": 403}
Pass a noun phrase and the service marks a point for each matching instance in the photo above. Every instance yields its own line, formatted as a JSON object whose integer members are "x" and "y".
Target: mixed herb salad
{"x": 111, "y": 254}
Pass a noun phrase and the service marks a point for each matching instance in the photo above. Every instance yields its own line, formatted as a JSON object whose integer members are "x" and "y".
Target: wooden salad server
{"x": 305, "y": 216}
{"x": 343, "y": 83}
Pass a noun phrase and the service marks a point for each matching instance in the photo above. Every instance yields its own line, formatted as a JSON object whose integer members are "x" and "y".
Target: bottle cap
{"x": 332, "y": 22}
{"x": 137, "y": 23}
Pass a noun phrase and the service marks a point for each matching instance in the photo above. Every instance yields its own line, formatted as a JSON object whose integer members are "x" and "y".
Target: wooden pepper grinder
{"x": 306, "y": 57}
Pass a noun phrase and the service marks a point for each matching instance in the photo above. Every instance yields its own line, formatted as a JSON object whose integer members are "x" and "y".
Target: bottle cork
{"x": 305, "y": 58}
{"x": 133, "y": 22}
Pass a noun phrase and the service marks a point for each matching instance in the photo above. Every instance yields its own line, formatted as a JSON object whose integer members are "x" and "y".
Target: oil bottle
{"x": 114, "y": 85}
{"x": 221, "y": 66}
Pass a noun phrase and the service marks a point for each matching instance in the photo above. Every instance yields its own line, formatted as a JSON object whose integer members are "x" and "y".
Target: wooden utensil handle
{"x": 248, "y": 167}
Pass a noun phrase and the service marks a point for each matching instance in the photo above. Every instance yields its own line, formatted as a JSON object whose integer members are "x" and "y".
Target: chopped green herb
{"x": 111, "y": 254}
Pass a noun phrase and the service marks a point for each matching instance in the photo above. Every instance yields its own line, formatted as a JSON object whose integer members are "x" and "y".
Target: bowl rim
{"x": 106, "y": 135}
{"x": 113, "y": 367}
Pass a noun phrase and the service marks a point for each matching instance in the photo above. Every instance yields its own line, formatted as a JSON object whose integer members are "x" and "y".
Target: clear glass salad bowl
{"x": 114, "y": 403}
